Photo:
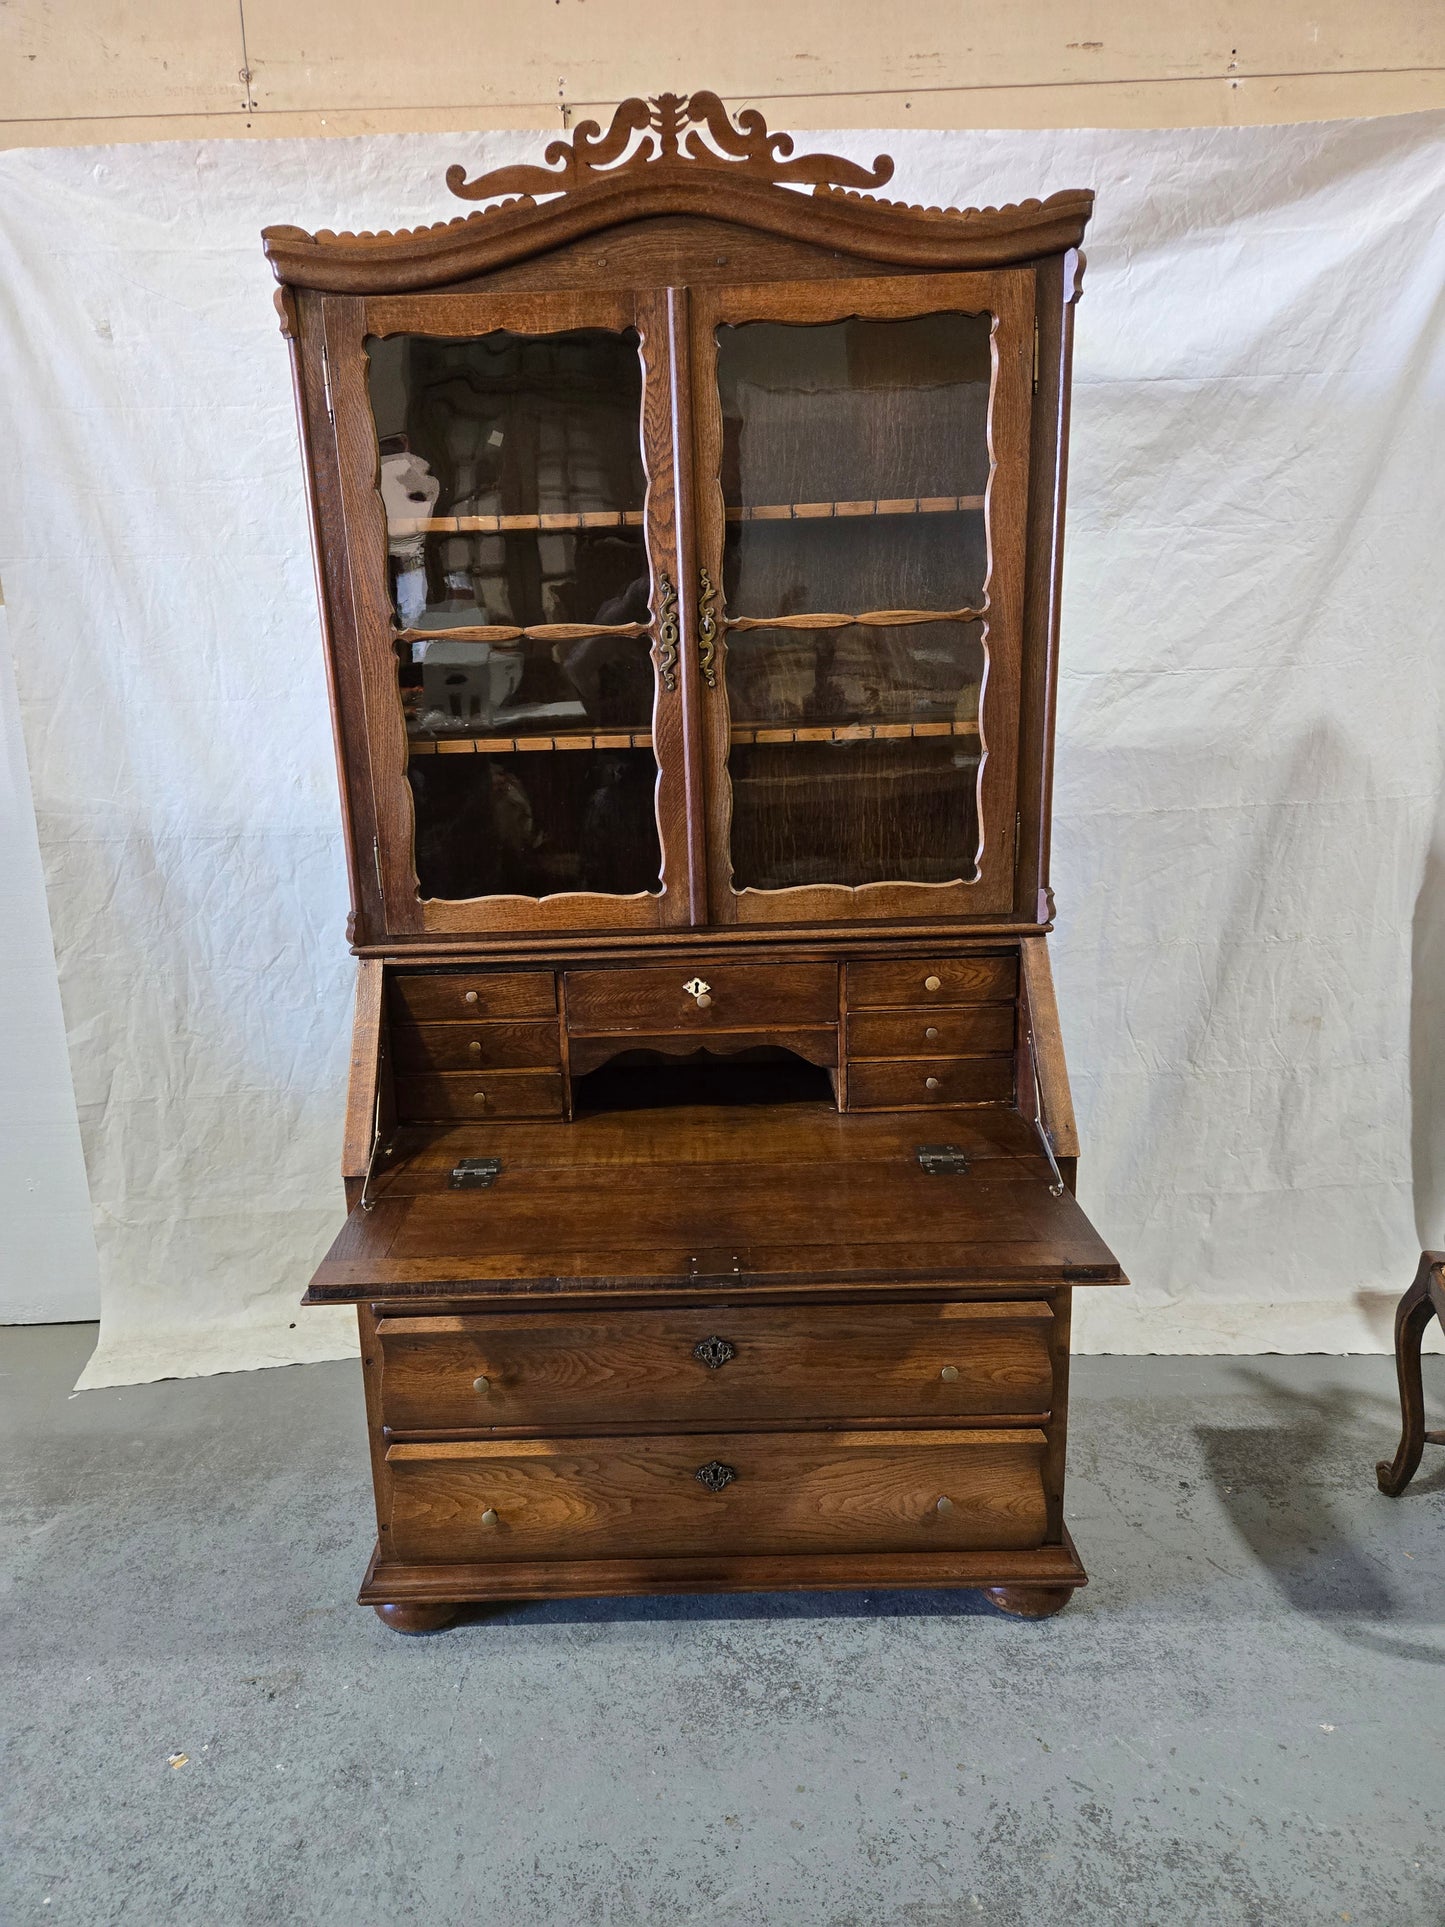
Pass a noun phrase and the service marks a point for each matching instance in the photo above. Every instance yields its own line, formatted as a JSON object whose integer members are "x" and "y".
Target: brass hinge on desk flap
{"x": 943, "y": 1160}
{"x": 474, "y": 1174}
{"x": 378, "y": 1150}
{"x": 1056, "y": 1189}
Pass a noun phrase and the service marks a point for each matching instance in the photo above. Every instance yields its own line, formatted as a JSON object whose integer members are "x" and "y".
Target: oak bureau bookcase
{"x": 688, "y": 534}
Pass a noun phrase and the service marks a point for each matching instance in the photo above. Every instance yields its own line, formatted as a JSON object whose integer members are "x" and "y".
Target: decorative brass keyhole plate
{"x": 714, "y": 1475}
{"x": 714, "y": 1353}
{"x": 667, "y": 632}
{"x": 706, "y": 629}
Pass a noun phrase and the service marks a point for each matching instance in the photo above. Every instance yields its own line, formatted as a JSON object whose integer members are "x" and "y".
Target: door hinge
{"x": 376, "y": 859}
{"x": 475, "y": 1174}
{"x": 1036, "y": 354}
{"x": 943, "y": 1160}
{"x": 331, "y": 412}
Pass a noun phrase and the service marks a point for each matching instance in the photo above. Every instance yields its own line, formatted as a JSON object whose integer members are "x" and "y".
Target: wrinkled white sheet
{"x": 1249, "y": 726}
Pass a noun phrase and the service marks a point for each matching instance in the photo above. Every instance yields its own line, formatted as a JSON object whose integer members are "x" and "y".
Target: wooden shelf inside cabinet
{"x": 829, "y": 511}
{"x": 507, "y": 745}
{"x": 848, "y": 732}
{"x": 509, "y": 524}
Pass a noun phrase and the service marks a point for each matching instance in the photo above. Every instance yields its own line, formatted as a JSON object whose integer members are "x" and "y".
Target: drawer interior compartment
{"x": 715, "y": 1367}
{"x": 945, "y": 980}
{"x": 725, "y": 996}
{"x": 460, "y": 996}
{"x": 742, "y": 1492}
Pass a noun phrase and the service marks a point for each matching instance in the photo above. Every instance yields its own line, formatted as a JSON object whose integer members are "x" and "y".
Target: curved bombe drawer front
{"x": 752, "y": 1492}
{"x": 546, "y": 1371}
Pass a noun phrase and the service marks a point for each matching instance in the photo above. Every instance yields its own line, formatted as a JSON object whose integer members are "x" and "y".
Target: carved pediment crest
{"x": 668, "y": 132}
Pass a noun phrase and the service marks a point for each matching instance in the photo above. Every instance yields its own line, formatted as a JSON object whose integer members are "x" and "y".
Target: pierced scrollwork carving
{"x": 667, "y": 632}
{"x": 714, "y": 1353}
{"x": 660, "y": 129}
{"x": 714, "y": 1475}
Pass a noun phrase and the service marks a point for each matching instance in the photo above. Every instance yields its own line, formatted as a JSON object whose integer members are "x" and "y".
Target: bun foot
{"x": 1027, "y": 1602}
{"x": 417, "y": 1618}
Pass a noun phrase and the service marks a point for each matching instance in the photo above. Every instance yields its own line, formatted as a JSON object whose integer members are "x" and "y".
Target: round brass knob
{"x": 481, "y": 1385}
{"x": 933, "y": 983}
{"x": 931, "y": 1034}
{"x": 475, "y": 1047}
{"x": 945, "y": 1504}
{"x": 930, "y": 1083}
{"x": 949, "y": 1374}
{"x": 489, "y": 1517}
{"x": 479, "y": 1097}
{"x": 471, "y": 997}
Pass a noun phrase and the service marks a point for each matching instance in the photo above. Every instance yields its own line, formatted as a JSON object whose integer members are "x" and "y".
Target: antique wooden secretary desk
{"x": 688, "y": 549}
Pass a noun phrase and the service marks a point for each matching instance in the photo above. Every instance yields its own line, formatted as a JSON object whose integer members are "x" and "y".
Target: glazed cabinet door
{"x": 507, "y": 485}
{"x": 861, "y": 452}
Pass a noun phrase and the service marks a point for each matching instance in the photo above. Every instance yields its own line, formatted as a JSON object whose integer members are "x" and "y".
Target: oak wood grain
{"x": 741, "y": 997}
{"x": 516, "y": 1045}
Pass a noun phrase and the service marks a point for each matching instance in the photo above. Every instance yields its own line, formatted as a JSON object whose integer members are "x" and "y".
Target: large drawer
{"x": 714, "y": 1368}
{"x": 456, "y": 996}
{"x": 710, "y": 1493}
{"x": 523, "y": 1045}
{"x": 738, "y": 997}
{"x": 921, "y": 1083}
{"x": 945, "y": 980}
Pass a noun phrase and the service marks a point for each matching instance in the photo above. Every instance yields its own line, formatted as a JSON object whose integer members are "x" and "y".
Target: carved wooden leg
{"x": 1030, "y": 1602}
{"x": 1421, "y": 1303}
{"x": 417, "y": 1617}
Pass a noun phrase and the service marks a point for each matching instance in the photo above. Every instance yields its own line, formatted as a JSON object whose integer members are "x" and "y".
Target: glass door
{"x": 862, "y": 483}
{"x": 509, "y": 525}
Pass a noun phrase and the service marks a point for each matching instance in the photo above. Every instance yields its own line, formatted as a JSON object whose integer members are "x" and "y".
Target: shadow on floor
{"x": 719, "y": 1608}
{"x": 1287, "y": 1487}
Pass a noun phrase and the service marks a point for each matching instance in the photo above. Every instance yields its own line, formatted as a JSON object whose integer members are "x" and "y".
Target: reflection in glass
{"x": 913, "y": 672}
{"x": 855, "y": 469}
{"x": 534, "y": 823}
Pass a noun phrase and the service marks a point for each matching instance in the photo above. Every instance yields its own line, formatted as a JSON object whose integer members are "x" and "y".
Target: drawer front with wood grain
{"x": 545, "y": 1371}
{"x": 702, "y": 997}
{"x": 947, "y": 980}
{"x": 424, "y": 1098}
{"x": 921, "y": 1083}
{"x": 523, "y": 1045}
{"x": 975, "y": 1030}
{"x": 712, "y": 1493}
{"x": 457, "y": 996}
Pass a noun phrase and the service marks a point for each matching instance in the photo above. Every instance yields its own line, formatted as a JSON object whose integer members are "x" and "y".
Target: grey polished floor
{"x": 1241, "y": 1720}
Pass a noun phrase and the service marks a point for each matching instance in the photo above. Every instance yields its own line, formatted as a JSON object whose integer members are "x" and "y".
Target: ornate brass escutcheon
{"x": 714, "y": 1353}
{"x": 700, "y": 992}
{"x": 667, "y": 631}
{"x": 706, "y": 629}
{"x": 714, "y": 1475}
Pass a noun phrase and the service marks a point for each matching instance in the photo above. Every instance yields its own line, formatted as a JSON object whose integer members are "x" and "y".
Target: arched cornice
{"x": 648, "y": 164}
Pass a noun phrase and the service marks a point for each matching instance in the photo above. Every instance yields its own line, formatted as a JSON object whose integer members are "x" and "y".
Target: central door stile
{"x": 709, "y": 527}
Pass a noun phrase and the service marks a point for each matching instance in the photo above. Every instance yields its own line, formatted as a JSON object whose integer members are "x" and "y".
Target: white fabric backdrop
{"x": 1249, "y": 734}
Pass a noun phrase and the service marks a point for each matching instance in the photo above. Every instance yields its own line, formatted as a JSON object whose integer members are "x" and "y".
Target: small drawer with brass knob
{"x": 697, "y": 996}
{"x": 436, "y": 1097}
{"x": 967, "y": 979}
{"x": 974, "y": 1031}
{"x": 507, "y": 1044}
{"x": 457, "y": 996}
{"x": 906, "y": 1084}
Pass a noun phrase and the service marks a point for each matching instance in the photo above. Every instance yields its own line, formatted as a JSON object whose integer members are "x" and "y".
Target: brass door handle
{"x": 667, "y": 632}
{"x": 706, "y": 629}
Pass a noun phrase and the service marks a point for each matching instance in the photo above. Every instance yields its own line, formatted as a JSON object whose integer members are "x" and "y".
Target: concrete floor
{"x": 1241, "y": 1720}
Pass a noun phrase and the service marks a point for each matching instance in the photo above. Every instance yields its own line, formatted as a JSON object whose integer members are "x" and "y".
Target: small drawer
{"x": 716, "y": 1493}
{"x": 920, "y": 1083}
{"x": 728, "y": 997}
{"x": 454, "y": 996}
{"x": 422, "y": 1098}
{"x": 716, "y": 1368}
{"x": 976, "y": 1029}
{"x": 947, "y": 980}
{"x": 524, "y": 1045}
